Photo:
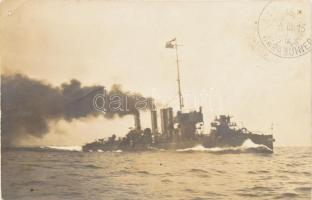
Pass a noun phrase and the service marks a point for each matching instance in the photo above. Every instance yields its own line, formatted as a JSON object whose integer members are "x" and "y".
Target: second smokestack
{"x": 154, "y": 121}
{"x": 137, "y": 122}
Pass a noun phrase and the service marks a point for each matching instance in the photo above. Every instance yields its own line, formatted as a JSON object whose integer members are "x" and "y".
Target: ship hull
{"x": 207, "y": 141}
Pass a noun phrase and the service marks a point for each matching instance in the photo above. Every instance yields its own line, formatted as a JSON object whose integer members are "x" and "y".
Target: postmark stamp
{"x": 284, "y": 28}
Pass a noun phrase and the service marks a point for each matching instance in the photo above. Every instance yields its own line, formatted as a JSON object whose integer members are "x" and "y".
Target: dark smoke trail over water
{"x": 28, "y": 105}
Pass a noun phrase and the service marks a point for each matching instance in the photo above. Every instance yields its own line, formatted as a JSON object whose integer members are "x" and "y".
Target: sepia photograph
{"x": 173, "y": 100}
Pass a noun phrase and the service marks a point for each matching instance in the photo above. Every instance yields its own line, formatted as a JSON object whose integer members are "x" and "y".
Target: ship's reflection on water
{"x": 157, "y": 175}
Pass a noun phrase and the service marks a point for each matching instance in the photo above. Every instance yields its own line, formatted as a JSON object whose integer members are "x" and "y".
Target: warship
{"x": 181, "y": 130}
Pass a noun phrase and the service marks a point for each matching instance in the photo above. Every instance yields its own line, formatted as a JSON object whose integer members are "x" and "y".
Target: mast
{"x": 174, "y": 44}
{"x": 178, "y": 77}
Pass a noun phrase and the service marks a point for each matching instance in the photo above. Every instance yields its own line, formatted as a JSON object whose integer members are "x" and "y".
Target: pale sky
{"x": 106, "y": 42}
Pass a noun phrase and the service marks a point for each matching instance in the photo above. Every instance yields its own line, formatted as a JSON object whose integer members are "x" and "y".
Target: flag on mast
{"x": 170, "y": 43}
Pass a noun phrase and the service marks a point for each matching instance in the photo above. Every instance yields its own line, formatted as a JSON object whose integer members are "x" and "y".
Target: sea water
{"x": 196, "y": 173}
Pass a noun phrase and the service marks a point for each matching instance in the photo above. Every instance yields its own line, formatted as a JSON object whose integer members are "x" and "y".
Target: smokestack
{"x": 137, "y": 122}
{"x": 163, "y": 120}
{"x": 166, "y": 116}
{"x": 170, "y": 118}
{"x": 154, "y": 121}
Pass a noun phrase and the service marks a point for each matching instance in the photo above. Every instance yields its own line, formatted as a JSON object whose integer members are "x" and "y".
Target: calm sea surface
{"x": 42, "y": 174}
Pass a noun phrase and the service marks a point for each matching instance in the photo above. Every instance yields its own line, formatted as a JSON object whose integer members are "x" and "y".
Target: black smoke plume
{"x": 27, "y": 105}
